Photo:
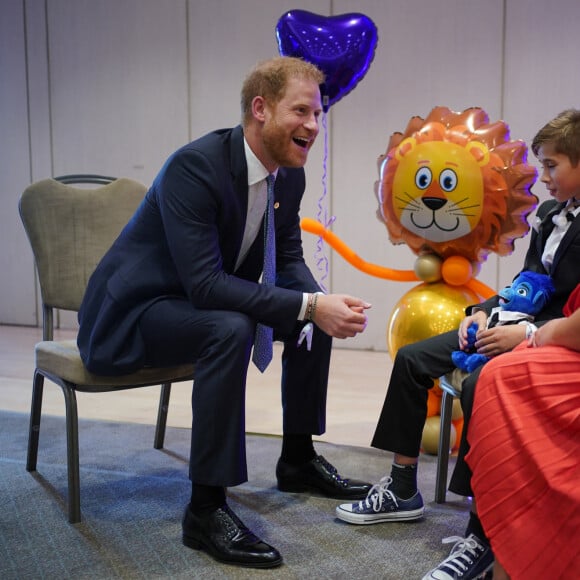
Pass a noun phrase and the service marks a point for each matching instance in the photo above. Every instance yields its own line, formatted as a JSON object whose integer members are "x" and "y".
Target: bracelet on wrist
{"x": 308, "y": 313}
{"x": 530, "y": 330}
{"x": 313, "y": 309}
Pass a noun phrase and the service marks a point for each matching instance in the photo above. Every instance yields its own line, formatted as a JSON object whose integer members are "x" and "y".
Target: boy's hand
{"x": 500, "y": 339}
{"x": 479, "y": 317}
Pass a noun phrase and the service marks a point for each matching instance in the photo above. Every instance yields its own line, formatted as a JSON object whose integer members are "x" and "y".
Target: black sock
{"x": 297, "y": 449}
{"x": 474, "y": 527}
{"x": 206, "y": 498}
{"x": 404, "y": 478}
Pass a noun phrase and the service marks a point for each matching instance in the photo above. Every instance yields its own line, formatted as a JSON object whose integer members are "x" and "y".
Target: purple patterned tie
{"x": 264, "y": 334}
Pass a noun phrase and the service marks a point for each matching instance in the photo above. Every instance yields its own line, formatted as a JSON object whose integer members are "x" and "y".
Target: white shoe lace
{"x": 463, "y": 553}
{"x": 377, "y": 495}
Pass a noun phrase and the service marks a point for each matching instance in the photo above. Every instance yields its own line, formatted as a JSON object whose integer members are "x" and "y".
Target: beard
{"x": 280, "y": 146}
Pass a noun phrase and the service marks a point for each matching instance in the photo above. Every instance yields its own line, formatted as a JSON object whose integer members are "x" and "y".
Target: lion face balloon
{"x": 454, "y": 185}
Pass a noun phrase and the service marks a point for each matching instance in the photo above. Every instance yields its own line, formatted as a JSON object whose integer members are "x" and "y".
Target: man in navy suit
{"x": 181, "y": 284}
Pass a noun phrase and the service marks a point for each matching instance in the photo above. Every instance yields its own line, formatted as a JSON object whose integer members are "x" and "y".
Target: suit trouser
{"x": 219, "y": 342}
{"x": 402, "y": 418}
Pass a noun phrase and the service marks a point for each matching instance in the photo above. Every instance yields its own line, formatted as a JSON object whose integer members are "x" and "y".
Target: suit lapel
{"x": 239, "y": 173}
{"x": 239, "y": 166}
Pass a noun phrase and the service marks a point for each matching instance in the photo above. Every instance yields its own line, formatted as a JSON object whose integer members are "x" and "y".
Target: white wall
{"x": 115, "y": 86}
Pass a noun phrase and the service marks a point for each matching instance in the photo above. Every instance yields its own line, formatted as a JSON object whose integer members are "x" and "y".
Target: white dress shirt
{"x": 257, "y": 201}
{"x": 561, "y": 225}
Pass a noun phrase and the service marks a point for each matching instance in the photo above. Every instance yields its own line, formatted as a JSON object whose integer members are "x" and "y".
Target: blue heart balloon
{"x": 342, "y": 46}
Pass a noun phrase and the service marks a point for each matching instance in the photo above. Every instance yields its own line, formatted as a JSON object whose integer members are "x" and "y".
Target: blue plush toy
{"x": 518, "y": 303}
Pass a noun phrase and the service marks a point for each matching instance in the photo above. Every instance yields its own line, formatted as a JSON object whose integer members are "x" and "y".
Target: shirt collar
{"x": 256, "y": 171}
{"x": 573, "y": 206}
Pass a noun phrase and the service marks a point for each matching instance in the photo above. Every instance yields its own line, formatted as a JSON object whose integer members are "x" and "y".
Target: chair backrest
{"x": 70, "y": 229}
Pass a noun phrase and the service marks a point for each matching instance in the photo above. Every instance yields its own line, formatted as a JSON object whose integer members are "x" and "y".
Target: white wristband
{"x": 530, "y": 330}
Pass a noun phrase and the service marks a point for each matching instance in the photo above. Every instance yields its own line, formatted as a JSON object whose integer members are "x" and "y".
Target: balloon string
{"x": 321, "y": 259}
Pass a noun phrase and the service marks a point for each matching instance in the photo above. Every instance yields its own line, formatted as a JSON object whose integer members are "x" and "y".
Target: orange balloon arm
{"x": 314, "y": 227}
{"x": 481, "y": 289}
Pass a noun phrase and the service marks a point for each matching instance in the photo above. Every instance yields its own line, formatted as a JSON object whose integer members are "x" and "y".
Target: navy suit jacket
{"x": 183, "y": 242}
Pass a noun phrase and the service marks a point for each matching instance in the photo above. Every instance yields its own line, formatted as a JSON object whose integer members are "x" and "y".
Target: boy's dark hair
{"x": 563, "y": 132}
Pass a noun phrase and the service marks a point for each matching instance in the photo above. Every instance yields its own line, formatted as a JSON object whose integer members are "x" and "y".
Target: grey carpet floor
{"x": 132, "y": 499}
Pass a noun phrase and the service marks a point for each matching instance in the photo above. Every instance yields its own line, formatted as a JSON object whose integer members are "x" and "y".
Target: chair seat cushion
{"x": 452, "y": 382}
{"x": 62, "y": 359}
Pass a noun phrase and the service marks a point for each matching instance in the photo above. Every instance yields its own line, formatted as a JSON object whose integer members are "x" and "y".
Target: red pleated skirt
{"x": 525, "y": 456}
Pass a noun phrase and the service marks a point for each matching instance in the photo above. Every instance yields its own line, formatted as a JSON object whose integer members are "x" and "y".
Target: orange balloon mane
{"x": 455, "y": 185}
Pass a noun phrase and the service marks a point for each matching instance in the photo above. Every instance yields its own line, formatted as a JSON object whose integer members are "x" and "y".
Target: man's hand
{"x": 340, "y": 315}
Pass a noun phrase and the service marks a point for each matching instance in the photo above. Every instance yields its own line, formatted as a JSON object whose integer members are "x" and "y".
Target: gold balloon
{"x": 425, "y": 311}
{"x": 430, "y": 438}
{"x": 457, "y": 411}
{"x": 428, "y": 268}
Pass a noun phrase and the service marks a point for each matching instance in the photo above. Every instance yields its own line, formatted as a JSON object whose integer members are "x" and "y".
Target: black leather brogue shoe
{"x": 320, "y": 476}
{"x": 224, "y": 537}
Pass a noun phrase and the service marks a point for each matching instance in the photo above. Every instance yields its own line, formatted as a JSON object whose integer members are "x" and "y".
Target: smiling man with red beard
{"x": 182, "y": 284}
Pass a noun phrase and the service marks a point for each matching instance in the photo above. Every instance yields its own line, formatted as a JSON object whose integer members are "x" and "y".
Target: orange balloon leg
{"x": 433, "y": 404}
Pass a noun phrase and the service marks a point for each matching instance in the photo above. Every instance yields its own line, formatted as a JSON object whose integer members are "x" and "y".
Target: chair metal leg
{"x": 162, "y": 416}
{"x": 35, "y": 414}
{"x": 72, "y": 437}
{"x": 443, "y": 451}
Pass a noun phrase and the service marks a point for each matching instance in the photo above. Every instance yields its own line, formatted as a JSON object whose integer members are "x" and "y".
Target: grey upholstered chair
{"x": 70, "y": 228}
